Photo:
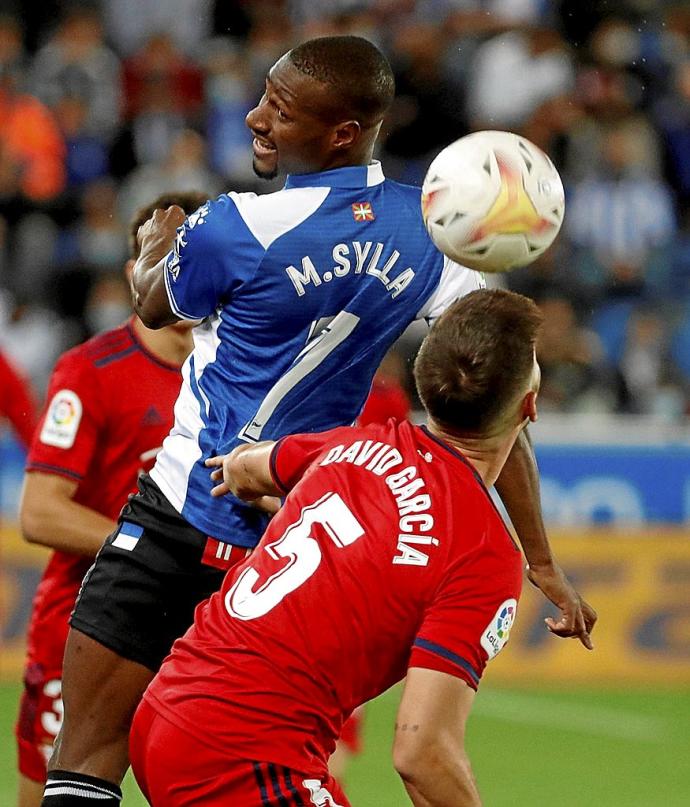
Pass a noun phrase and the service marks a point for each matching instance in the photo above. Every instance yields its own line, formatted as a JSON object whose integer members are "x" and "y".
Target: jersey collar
{"x": 352, "y": 176}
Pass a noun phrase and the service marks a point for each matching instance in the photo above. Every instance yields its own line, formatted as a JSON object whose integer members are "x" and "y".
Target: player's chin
{"x": 266, "y": 167}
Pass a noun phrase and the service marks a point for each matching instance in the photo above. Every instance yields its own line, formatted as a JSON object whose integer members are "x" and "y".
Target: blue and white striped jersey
{"x": 301, "y": 293}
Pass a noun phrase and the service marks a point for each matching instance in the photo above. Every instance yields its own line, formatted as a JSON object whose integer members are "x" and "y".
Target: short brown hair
{"x": 477, "y": 359}
{"x": 189, "y": 201}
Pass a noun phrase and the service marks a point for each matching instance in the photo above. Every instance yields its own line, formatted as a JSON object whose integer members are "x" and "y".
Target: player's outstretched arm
{"x": 429, "y": 745}
{"x": 156, "y": 238}
{"x": 245, "y": 472}
{"x": 49, "y": 516}
{"x": 518, "y": 487}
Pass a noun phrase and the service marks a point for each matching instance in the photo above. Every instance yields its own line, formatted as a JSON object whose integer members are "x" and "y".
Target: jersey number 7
{"x": 302, "y": 550}
{"x": 325, "y": 336}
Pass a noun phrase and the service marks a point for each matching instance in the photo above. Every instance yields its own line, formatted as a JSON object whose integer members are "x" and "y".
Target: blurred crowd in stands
{"x": 104, "y": 105}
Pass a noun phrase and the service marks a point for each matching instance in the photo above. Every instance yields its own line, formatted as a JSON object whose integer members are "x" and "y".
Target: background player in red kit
{"x": 110, "y": 405}
{"x": 387, "y": 559}
{"x": 16, "y": 401}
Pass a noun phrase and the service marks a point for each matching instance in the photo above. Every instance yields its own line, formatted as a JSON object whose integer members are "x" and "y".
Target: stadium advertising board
{"x": 639, "y": 583}
{"x": 627, "y": 485}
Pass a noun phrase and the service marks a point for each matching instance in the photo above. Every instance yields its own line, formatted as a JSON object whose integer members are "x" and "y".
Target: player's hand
{"x": 160, "y": 229}
{"x": 577, "y": 617}
{"x": 218, "y": 475}
{"x": 267, "y": 504}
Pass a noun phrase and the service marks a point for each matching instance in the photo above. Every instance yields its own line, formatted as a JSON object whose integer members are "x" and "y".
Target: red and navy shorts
{"x": 40, "y": 718}
{"x": 351, "y": 734}
{"x": 174, "y": 769}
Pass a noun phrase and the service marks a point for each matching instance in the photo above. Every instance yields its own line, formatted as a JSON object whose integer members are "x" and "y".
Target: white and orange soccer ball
{"x": 492, "y": 201}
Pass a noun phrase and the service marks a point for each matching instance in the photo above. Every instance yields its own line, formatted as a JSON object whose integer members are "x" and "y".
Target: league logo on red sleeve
{"x": 498, "y": 630}
{"x": 62, "y": 421}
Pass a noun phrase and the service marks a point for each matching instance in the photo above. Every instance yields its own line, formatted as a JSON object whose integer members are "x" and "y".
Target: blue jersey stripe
{"x": 291, "y": 788}
{"x": 54, "y": 469}
{"x": 275, "y": 782}
{"x": 443, "y": 652}
{"x": 260, "y": 781}
{"x": 103, "y": 361}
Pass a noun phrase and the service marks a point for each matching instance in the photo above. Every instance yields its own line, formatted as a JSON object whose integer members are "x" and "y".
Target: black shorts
{"x": 149, "y": 576}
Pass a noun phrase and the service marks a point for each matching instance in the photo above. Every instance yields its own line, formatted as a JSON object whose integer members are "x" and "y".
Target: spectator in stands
{"x": 33, "y": 335}
{"x": 76, "y": 62}
{"x": 652, "y": 382}
{"x": 159, "y": 63}
{"x": 228, "y": 100}
{"x": 424, "y": 91}
{"x": 129, "y": 23}
{"x": 86, "y": 154}
{"x": 574, "y": 373}
{"x": 673, "y": 116}
{"x": 514, "y": 73}
{"x": 98, "y": 239}
{"x": 184, "y": 168}
{"x": 622, "y": 221}
{"x": 30, "y": 140}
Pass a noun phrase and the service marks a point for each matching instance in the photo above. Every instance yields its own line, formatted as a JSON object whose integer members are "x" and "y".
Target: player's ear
{"x": 529, "y": 407}
{"x": 346, "y": 134}
{"x": 129, "y": 269}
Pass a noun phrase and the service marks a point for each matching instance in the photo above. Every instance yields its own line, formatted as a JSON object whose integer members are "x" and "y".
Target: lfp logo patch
{"x": 62, "y": 419}
{"x": 498, "y": 630}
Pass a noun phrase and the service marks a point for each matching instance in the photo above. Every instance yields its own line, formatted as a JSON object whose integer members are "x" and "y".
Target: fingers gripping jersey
{"x": 388, "y": 553}
{"x": 302, "y": 292}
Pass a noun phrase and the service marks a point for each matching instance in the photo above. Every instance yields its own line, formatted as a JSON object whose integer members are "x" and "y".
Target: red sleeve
{"x": 292, "y": 455}
{"x": 17, "y": 401}
{"x": 68, "y": 433}
{"x": 469, "y": 620}
{"x": 386, "y": 400}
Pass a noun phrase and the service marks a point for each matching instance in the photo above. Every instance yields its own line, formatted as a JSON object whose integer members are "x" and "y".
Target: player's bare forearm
{"x": 442, "y": 779}
{"x": 428, "y": 748}
{"x": 518, "y": 487}
{"x": 48, "y": 516}
{"x": 245, "y": 472}
{"x": 156, "y": 239}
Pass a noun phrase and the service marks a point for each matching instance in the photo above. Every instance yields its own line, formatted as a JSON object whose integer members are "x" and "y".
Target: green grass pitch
{"x": 536, "y": 748}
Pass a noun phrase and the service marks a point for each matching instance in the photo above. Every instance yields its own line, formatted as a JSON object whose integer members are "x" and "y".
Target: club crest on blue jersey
{"x": 362, "y": 211}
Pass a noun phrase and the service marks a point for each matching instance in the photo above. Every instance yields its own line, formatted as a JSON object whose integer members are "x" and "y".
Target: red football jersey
{"x": 16, "y": 401}
{"x": 388, "y": 553}
{"x": 110, "y": 405}
{"x": 387, "y": 399}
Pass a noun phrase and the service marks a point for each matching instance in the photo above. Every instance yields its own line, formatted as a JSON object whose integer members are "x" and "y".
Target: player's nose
{"x": 257, "y": 119}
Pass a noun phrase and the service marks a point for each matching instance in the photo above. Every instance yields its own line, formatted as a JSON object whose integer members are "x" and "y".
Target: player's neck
{"x": 486, "y": 454}
{"x": 172, "y": 344}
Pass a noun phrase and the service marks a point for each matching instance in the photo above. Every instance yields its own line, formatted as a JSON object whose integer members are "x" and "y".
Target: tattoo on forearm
{"x": 406, "y": 726}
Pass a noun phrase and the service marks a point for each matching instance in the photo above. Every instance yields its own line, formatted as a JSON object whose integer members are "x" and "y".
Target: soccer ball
{"x": 492, "y": 201}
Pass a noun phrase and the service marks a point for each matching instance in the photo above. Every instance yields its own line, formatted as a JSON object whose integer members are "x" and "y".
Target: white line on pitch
{"x": 581, "y": 718}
